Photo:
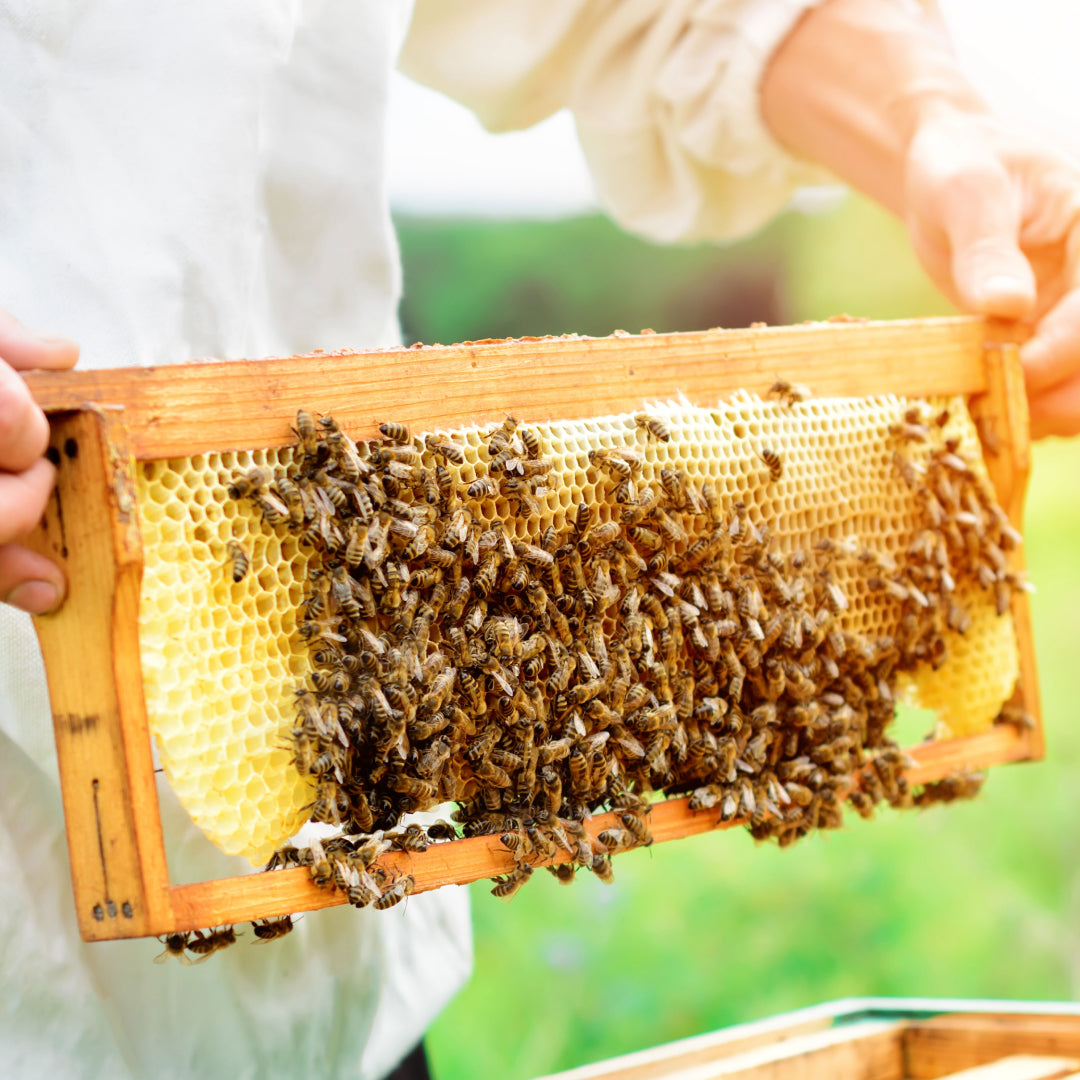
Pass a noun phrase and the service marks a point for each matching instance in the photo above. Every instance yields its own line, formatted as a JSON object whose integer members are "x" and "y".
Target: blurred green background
{"x": 976, "y": 900}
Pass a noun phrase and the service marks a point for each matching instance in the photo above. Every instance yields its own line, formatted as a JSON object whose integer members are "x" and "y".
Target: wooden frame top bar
{"x": 185, "y": 409}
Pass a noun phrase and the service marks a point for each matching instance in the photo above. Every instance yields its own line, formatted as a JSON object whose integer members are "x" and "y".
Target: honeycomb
{"x": 219, "y": 657}
{"x": 223, "y": 659}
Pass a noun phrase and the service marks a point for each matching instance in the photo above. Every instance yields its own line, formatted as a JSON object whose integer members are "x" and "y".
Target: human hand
{"x": 27, "y": 580}
{"x": 994, "y": 216}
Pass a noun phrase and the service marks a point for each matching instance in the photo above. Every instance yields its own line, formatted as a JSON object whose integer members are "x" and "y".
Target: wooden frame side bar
{"x": 107, "y": 782}
{"x": 285, "y": 892}
{"x": 193, "y": 408}
{"x": 1002, "y": 414}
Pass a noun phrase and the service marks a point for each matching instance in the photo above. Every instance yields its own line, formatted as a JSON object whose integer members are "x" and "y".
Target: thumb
{"x": 982, "y": 221}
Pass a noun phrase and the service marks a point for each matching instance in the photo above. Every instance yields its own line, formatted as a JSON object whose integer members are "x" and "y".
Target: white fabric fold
{"x": 665, "y": 94}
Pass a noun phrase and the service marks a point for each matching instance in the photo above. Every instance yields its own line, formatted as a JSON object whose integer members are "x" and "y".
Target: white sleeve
{"x": 664, "y": 93}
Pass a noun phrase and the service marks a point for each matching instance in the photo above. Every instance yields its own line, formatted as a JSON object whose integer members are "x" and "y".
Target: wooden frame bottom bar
{"x": 286, "y": 892}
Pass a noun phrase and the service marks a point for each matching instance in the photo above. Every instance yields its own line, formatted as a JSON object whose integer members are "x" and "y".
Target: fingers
{"x": 24, "y": 431}
{"x": 29, "y": 581}
{"x": 1053, "y": 355}
{"x": 24, "y": 348}
{"x": 982, "y": 221}
{"x": 963, "y": 200}
{"x": 22, "y": 499}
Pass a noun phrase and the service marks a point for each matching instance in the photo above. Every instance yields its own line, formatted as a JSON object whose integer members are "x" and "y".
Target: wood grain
{"x": 866, "y": 1050}
{"x": 95, "y": 683}
{"x": 285, "y": 892}
{"x": 1020, "y": 1067}
{"x": 946, "y": 1044}
{"x": 186, "y": 409}
{"x": 658, "y": 1061}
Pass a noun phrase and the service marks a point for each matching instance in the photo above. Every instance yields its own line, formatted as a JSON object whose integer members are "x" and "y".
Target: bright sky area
{"x": 1023, "y": 56}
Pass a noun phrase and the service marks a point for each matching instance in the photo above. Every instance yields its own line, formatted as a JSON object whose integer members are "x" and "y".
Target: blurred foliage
{"x": 974, "y": 900}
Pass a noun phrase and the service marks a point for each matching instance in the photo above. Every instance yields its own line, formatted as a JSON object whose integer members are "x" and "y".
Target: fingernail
{"x": 1002, "y": 285}
{"x": 55, "y": 341}
{"x": 34, "y": 597}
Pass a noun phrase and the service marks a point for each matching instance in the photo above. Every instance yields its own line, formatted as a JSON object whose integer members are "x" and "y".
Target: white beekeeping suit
{"x": 208, "y": 178}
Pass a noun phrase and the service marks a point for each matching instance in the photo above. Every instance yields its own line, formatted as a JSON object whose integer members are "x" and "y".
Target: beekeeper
{"x": 205, "y": 178}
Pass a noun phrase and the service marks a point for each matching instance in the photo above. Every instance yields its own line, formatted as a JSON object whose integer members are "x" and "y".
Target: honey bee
{"x": 634, "y": 824}
{"x": 411, "y": 838}
{"x": 398, "y": 890}
{"x": 531, "y": 441}
{"x": 772, "y": 461}
{"x": 563, "y": 872}
{"x": 483, "y": 488}
{"x": 908, "y": 471}
{"x": 654, "y": 426}
{"x": 672, "y": 482}
{"x": 204, "y": 943}
{"x": 580, "y": 777}
{"x": 291, "y": 496}
{"x": 307, "y": 433}
{"x": 962, "y": 784}
{"x": 835, "y": 598}
{"x": 419, "y": 791}
{"x": 506, "y": 886}
{"x": 910, "y": 431}
{"x": 536, "y": 556}
{"x": 1017, "y": 716}
{"x": 601, "y": 867}
{"x": 610, "y": 462}
{"x": 175, "y": 945}
{"x": 442, "y": 830}
{"x": 254, "y": 482}
{"x": 322, "y": 871}
{"x": 287, "y": 856}
{"x": 397, "y": 433}
{"x": 441, "y": 448}
{"x": 337, "y": 491}
{"x": 238, "y": 559}
{"x": 791, "y": 393}
{"x": 272, "y": 929}
{"x": 445, "y": 482}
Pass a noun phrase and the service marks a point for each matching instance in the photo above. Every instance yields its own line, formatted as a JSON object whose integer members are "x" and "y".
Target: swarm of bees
{"x": 660, "y": 641}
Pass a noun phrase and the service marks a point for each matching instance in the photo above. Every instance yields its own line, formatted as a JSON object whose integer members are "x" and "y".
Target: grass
{"x": 978, "y": 899}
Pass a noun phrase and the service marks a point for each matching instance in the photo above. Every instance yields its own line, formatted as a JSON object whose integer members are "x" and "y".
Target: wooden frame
{"x": 870, "y": 1039}
{"x": 105, "y": 421}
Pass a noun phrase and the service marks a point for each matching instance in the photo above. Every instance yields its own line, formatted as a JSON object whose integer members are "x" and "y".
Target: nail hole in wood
{"x": 53, "y": 455}
{"x": 99, "y": 913}
{"x": 71, "y": 448}
{"x": 127, "y": 910}
{"x": 110, "y": 906}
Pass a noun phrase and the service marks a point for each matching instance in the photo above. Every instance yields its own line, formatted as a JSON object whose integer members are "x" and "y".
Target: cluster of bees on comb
{"x": 659, "y": 641}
